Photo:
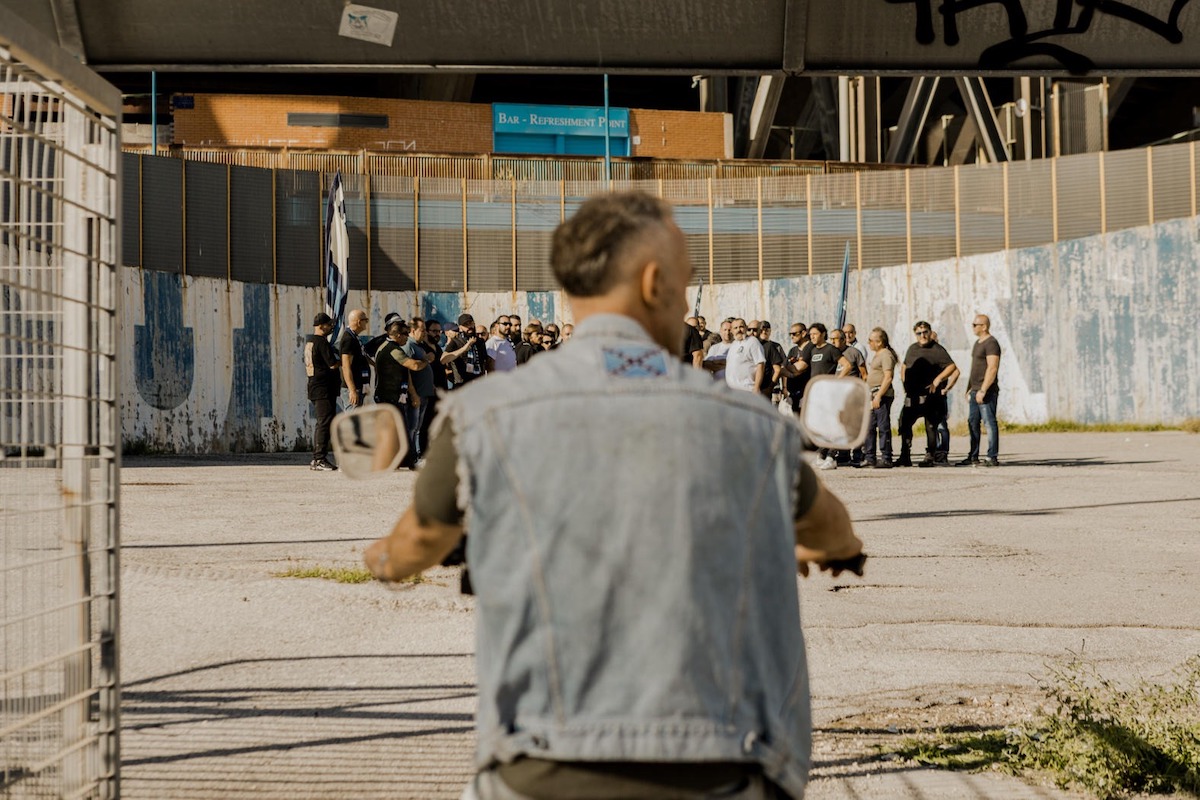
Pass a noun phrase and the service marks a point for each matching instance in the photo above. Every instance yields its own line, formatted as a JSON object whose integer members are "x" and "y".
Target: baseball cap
{"x": 466, "y": 319}
{"x": 390, "y": 318}
{"x": 450, "y": 327}
{"x": 322, "y": 319}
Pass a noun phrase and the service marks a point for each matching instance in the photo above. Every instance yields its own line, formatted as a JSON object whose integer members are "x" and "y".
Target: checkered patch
{"x": 632, "y": 361}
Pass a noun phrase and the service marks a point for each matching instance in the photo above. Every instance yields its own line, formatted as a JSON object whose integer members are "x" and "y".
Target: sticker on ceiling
{"x": 368, "y": 24}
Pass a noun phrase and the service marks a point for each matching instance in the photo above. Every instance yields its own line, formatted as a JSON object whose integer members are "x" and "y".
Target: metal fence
{"x": 463, "y": 234}
{"x": 59, "y": 145}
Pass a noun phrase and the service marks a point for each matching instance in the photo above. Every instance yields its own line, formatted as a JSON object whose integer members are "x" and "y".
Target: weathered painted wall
{"x": 1095, "y": 329}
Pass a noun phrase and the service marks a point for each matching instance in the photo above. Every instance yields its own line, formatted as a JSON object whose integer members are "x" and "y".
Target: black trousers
{"x": 326, "y": 407}
{"x": 931, "y": 407}
{"x": 431, "y": 404}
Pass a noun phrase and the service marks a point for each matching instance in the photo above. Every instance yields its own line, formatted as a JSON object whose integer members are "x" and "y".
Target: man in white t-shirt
{"x": 499, "y": 348}
{"x": 745, "y": 360}
{"x": 714, "y": 359}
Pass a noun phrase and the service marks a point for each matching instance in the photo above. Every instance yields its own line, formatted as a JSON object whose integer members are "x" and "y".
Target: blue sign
{"x": 558, "y": 130}
{"x": 559, "y": 120}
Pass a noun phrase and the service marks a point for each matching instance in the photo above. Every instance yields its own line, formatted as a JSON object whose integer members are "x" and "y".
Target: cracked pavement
{"x": 241, "y": 683}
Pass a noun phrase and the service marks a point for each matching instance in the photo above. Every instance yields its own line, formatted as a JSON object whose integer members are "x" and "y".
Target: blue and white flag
{"x": 337, "y": 254}
{"x": 841, "y": 314}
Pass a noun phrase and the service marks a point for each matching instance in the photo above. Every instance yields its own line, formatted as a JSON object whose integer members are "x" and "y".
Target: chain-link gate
{"x": 59, "y": 445}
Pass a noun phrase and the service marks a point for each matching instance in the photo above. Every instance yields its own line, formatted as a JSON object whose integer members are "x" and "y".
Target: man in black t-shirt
{"x": 928, "y": 373}
{"x": 796, "y": 379}
{"x": 983, "y": 391}
{"x": 322, "y": 366}
{"x": 773, "y": 368}
{"x": 693, "y": 346}
{"x": 819, "y": 357}
{"x": 356, "y": 367}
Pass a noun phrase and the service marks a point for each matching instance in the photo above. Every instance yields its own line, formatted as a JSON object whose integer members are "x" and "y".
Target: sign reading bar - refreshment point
{"x": 558, "y": 130}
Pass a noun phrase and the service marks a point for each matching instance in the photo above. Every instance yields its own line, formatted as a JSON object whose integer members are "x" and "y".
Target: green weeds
{"x": 340, "y": 574}
{"x": 1098, "y": 736}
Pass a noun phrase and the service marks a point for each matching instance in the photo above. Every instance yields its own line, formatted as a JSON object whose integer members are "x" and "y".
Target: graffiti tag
{"x": 1023, "y": 43}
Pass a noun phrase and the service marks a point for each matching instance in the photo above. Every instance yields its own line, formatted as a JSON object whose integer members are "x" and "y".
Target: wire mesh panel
{"x": 540, "y": 207}
{"x": 785, "y": 227}
{"x": 835, "y": 222}
{"x": 298, "y": 220}
{"x": 1126, "y": 189}
{"x": 1030, "y": 204}
{"x": 491, "y": 208}
{"x": 1172, "y": 181}
{"x": 206, "y": 212}
{"x": 162, "y": 217}
{"x": 931, "y": 211}
{"x": 981, "y": 209}
{"x": 885, "y": 229}
{"x": 440, "y": 221}
{"x": 59, "y": 134}
{"x": 1079, "y": 191}
{"x": 393, "y": 220}
{"x": 735, "y": 230}
{"x": 131, "y": 201}
{"x": 251, "y": 237}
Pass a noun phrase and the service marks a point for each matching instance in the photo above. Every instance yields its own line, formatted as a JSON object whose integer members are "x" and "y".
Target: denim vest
{"x": 631, "y": 549}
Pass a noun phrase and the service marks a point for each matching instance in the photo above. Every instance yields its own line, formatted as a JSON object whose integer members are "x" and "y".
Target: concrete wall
{"x": 1095, "y": 330}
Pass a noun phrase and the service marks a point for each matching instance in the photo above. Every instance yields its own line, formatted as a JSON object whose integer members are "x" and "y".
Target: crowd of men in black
{"x": 414, "y": 360}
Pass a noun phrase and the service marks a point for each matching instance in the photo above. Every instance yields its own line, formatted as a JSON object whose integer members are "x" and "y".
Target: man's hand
{"x": 353, "y": 396}
{"x": 979, "y": 396}
{"x": 825, "y": 536}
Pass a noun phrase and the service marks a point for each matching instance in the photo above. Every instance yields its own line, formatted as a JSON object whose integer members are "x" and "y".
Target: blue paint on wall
{"x": 444, "y": 306}
{"x": 164, "y": 350}
{"x": 541, "y": 306}
{"x": 250, "y": 398}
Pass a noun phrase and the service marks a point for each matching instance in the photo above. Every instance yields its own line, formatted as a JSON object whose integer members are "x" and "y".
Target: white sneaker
{"x": 828, "y": 462}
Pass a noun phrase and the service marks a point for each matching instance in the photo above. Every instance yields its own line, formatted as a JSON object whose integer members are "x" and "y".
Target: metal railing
{"x": 59, "y": 433}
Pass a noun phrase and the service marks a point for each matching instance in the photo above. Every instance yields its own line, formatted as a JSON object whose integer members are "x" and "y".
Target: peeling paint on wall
{"x": 1093, "y": 330}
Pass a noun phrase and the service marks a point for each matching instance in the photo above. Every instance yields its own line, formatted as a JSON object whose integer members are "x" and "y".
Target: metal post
{"x": 957, "y": 218}
{"x": 228, "y": 237}
{"x": 416, "y": 239}
{"x": 464, "y": 233}
{"x": 1103, "y": 196}
{"x": 607, "y": 138}
{"x": 153, "y": 113}
{"x": 808, "y": 219}
{"x": 366, "y": 179}
{"x": 1150, "y": 182}
{"x": 183, "y": 219}
{"x": 274, "y": 230}
{"x": 710, "y": 232}
{"x": 843, "y": 118}
{"x": 908, "y": 215}
{"x": 1054, "y": 199}
{"x": 514, "y": 239}
{"x": 858, "y": 218}
{"x": 1192, "y": 173}
{"x": 760, "y": 242}
{"x": 1004, "y": 174}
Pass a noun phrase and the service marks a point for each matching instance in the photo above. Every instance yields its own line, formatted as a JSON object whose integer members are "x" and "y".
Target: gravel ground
{"x": 241, "y": 683}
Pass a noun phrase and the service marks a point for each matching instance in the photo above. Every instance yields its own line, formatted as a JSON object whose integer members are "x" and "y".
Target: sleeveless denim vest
{"x": 631, "y": 549}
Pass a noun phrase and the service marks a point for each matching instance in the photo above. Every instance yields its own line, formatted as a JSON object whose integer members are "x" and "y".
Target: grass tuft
{"x": 1191, "y": 424}
{"x": 1099, "y": 736}
{"x": 340, "y": 574}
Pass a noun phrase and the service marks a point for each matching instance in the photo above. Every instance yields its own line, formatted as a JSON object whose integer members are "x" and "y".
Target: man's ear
{"x": 652, "y": 284}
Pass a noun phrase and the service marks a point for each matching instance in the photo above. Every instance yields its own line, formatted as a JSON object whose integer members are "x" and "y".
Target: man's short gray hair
{"x": 587, "y": 248}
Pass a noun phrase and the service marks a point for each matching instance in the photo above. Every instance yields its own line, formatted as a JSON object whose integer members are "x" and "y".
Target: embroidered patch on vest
{"x": 632, "y": 361}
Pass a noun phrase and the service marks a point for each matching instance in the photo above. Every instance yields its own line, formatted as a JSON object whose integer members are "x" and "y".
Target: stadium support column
{"x": 912, "y": 120}
{"x": 979, "y": 108}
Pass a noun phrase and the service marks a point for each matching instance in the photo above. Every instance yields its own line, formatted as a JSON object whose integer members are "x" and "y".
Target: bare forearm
{"x": 411, "y": 547}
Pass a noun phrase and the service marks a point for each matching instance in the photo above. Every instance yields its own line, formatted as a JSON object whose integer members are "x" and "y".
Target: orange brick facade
{"x": 235, "y": 120}
{"x": 678, "y": 134}
{"x": 238, "y": 120}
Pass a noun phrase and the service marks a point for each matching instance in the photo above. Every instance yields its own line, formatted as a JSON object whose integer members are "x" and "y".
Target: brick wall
{"x": 239, "y": 120}
{"x": 677, "y": 134}
{"x": 261, "y": 120}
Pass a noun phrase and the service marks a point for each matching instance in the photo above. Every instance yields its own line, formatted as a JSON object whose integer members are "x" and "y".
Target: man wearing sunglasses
{"x": 928, "y": 373}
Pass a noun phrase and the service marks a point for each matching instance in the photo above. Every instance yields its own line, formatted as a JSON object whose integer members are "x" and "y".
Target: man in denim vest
{"x": 638, "y": 633}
